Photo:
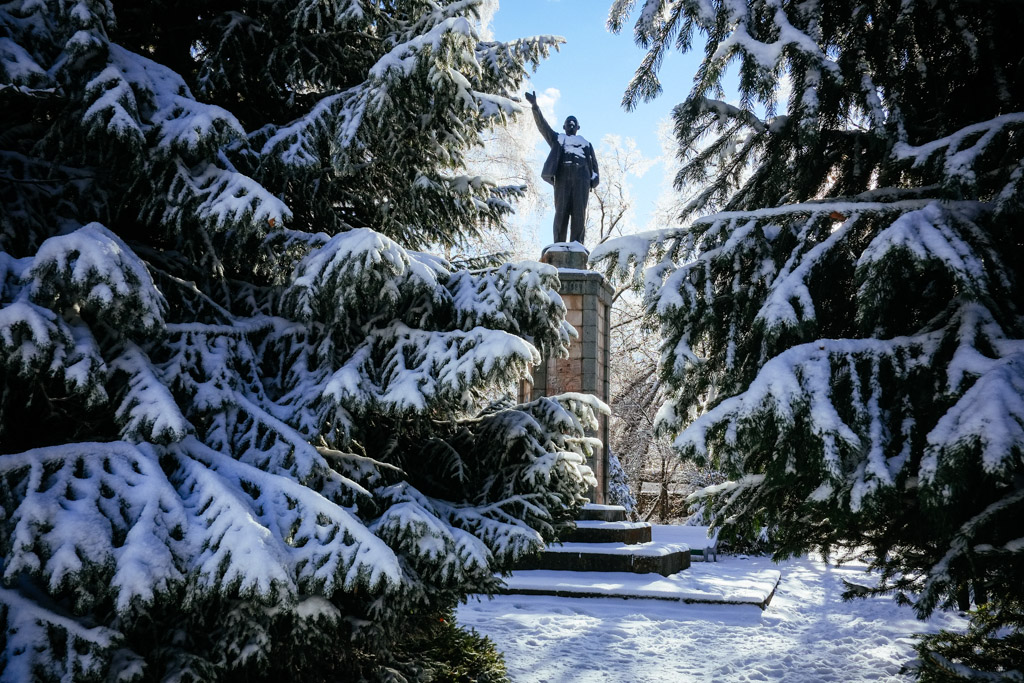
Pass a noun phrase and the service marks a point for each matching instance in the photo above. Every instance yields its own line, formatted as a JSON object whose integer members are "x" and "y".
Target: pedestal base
{"x": 588, "y": 298}
{"x": 572, "y": 255}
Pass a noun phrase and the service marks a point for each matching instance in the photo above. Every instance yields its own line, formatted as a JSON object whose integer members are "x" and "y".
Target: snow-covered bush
{"x": 994, "y": 642}
{"x": 843, "y": 327}
{"x": 243, "y": 428}
{"x": 619, "y": 492}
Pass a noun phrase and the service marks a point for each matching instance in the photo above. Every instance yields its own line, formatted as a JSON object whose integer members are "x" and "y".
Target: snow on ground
{"x": 807, "y": 634}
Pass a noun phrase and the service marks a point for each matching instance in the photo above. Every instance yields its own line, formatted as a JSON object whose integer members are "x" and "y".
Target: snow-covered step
{"x": 604, "y": 513}
{"x": 702, "y": 541}
{"x": 599, "y": 531}
{"x": 642, "y": 558}
{"x": 734, "y": 584}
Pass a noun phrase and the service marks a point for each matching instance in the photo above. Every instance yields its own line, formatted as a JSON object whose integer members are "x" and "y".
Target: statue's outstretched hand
{"x": 531, "y": 97}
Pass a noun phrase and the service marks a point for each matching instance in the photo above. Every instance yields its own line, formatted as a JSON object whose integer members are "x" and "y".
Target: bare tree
{"x": 657, "y": 477}
{"x": 611, "y": 209}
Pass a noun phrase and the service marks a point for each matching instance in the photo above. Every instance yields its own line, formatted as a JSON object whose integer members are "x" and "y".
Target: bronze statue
{"x": 571, "y": 167}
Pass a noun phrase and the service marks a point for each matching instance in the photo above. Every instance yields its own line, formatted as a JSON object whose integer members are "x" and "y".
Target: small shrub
{"x": 992, "y": 649}
{"x": 449, "y": 653}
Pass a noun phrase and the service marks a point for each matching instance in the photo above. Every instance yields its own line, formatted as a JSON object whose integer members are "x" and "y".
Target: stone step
{"x": 599, "y": 531}
{"x": 603, "y": 513}
{"x": 738, "y": 584}
{"x": 702, "y": 541}
{"x": 641, "y": 558}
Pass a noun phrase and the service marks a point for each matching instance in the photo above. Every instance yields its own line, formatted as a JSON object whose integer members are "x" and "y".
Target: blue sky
{"x": 590, "y": 74}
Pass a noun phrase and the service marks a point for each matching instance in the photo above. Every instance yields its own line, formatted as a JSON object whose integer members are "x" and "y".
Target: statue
{"x": 571, "y": 167}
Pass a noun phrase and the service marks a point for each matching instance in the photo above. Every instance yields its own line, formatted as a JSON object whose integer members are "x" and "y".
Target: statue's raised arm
{"x": 571, "y": 167}
{"x": 550, "y": 136}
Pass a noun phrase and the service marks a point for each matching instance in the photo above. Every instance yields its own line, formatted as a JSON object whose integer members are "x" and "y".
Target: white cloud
{"x": 546, "y": 101}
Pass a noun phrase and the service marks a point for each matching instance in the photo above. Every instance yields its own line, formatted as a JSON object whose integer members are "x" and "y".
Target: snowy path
{"x": 807, "y": 634}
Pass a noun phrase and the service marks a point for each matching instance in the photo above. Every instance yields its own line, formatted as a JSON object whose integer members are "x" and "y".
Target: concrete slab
{"x": 642, "y": 558}
{"x": 703, "y": 542}
{"x": 606, "y": 513}
{"x": 598, "y": 531}
{"x": 652, "y": 549}
{"x": 725, "y": 583}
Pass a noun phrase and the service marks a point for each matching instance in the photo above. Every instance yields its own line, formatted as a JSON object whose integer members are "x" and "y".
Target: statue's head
{"x": 571, "y": 125}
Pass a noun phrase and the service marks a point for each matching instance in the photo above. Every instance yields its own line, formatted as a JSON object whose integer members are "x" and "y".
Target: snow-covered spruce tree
{"x": 619, "y": 492}
{"x": 844, "y": 337}
{"x": 242, "y": 430}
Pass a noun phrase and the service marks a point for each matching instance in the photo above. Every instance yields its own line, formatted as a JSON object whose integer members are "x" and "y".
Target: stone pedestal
{"x": 588, "y": 301}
